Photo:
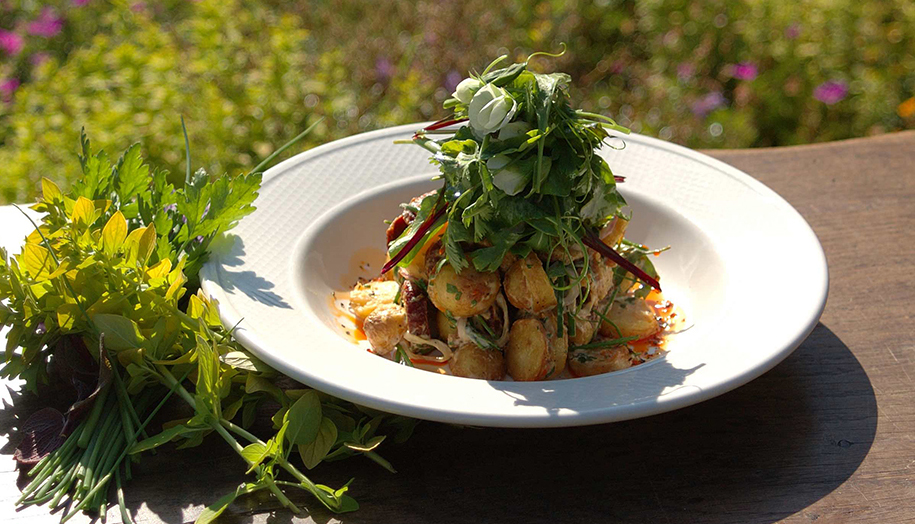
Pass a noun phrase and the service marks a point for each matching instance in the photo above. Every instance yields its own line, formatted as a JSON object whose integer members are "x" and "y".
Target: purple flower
{"x": 708, "y": 103}
{"x": 80, "y": 3}
{"x": 793, "y": 31}
{"x": 198, "y": 239}
{"x": 685, "y": 71}
{"x": 831, "y": 92}
{"x": 10, "y": 42}
{"x": 8, "y": 87}
{"x": 744, "y": 71}
{"x": 39, "y": 58}
{"x": 138, "y": 7}
{"x": 452, "y": 80}
{"x": 384, "y": 69}
{"x": 170, "y": 207}
{"x": 47, "y": 24}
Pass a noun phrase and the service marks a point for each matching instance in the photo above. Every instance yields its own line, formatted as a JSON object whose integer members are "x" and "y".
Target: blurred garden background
{"x": 248, "y": 75}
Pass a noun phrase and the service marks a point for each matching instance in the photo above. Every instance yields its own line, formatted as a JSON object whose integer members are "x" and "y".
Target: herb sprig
{"x": 114, "y": 265}
{"x": 521, "y": 173}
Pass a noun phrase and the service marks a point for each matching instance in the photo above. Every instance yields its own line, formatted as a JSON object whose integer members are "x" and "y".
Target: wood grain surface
{"x": 826, "y": 436}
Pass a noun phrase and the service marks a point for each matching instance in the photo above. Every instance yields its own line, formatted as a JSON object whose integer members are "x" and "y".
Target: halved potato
{"x": 447, "y": 328}
{"x": 630, "y": 317}
{"x": 559, "y": 346}
{"x": 584, "y": 327}
{"x": 587, "y": 362}
{"x": 366, "y": 297}
{"x": 464, "y": 295}
{"x": 528, "y": 354}
{"x": 472, "y": 361}
{"x": 528, "y": 287}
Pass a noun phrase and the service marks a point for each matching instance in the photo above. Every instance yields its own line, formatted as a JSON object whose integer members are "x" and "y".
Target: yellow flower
{"x": 907, "y": 108}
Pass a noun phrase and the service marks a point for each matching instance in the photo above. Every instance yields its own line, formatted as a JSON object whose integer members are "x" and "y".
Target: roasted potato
{"x": 584, "y": 327}
{"x": 612, "y": 233}
{"x": 559, "y": 346}
{"x": 630, "y": 317}
{"x": 527, "y": 287}
{"x": 385, "y": 327}
{"x": 507, "y": 261}
{"x": 463, "y": 295}
{"x": 366, "y": 297}
{"x": 447, "y": 328}
{"x": 586, "y": 362}
{"x": 600, "y": 278}
{"x": 574, "y": 253}
{"x": 472, "y": 361}
{"x": 528, "y": 355}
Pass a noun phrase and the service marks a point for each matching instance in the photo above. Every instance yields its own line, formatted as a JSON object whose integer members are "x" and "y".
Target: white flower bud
{"x": 509, "y": 179}
{"x": 514, "y": 129}
{"x": 491, "y": 108}
{"x": 465, "y": 90}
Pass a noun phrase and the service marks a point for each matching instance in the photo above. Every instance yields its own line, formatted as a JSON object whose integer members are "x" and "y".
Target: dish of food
{"x": 319, "y": 228}
{"x": 517, "y": 265}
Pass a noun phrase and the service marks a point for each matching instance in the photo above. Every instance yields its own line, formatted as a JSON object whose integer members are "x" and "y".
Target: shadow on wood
{"x": 755, "y": 455}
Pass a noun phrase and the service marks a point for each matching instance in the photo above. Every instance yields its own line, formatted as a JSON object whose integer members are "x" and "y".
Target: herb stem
{"x": 266, "y": 162}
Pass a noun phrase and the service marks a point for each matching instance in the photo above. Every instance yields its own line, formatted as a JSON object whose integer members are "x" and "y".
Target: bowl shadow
{"x": 757, "y": 454}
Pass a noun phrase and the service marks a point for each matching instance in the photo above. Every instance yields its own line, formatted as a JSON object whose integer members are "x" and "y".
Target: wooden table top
{"x": 828, "y": 435}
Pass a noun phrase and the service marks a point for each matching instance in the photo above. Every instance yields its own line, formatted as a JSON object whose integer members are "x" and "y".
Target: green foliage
{"x": 111, "y": 263}
{"x": 249, "y": 74}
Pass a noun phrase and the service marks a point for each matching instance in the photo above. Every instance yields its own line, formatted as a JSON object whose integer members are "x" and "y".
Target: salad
{"x": 518, "y": 264}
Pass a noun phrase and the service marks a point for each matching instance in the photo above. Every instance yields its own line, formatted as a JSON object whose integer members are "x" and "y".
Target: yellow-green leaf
{"x": 160, "y": 269}
{"x": 67, "y": 315}
{"x": 176, "y": 289}
{"x": 50, "y": 191}
{"x": 132, "y": 246}
{"x": 36, "y": 260}
{"x": 83, "y": 211}
{"x": 121, "y": 333}
{"x": 195, "y": 307}
{"x": 114, "y": 233}
{"x": 146, "y": 244}
{"x": 313, "y": 453}
{"x": 304, "y": 419}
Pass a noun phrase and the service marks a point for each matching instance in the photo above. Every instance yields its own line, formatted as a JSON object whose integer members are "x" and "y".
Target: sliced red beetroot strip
{"x": 442, "y": 123}
{"x": 420, "y": 233}
{"x": 591, "y": 240}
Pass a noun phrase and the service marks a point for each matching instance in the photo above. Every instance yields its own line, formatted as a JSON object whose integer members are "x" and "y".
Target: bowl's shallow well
{"x": 347, "y": 243}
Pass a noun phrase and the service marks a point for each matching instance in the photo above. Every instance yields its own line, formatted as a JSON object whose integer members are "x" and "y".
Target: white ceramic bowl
{"x": 744, "y": 266}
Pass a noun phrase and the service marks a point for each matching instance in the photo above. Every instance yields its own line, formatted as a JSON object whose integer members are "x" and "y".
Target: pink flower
{"x": 831, "y": 92}
{"x": 8, "y": 87}
{"x": 384, "y": 69}
{"x": 708, "y": 103}
{"x": 10, "y": 42}
{"x": 47, "y": 24}
{"x": 39, "y": 58}
{"x": 744, "y": 71}
{"x": 793, "y": 31}
{"x": 80, "y": 3}
{"x": 685, "y": 71}
{"x": 452, "y": 79}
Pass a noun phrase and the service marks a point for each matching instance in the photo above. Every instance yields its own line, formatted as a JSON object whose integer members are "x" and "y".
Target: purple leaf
{"x": 42, "y": 435}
